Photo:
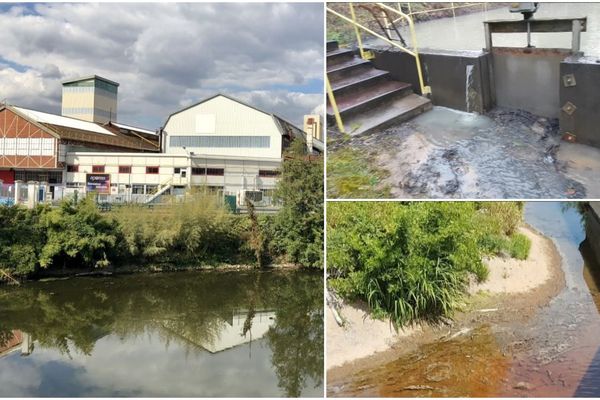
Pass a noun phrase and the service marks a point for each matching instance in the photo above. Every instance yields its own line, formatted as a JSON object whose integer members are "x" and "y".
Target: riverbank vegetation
{"x": 413, "y": 261}
{"x": 199, "y": 231}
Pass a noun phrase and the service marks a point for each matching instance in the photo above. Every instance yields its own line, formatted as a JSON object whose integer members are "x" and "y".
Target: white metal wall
{"x": 222, "y": 116}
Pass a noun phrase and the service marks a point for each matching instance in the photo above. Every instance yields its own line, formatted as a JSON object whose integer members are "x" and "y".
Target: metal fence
{"x": 7, "y": 194}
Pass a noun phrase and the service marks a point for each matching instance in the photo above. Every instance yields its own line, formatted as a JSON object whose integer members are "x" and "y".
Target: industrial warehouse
{"x": 220, "y": 143}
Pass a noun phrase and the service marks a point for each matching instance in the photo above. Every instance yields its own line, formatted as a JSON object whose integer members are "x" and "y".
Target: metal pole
{"x": 488, "y": 37}
{"x": 336, "y": 111}
{"x": 576, "y": 39}
{"x": 360, "y": 45}
{"x": 453, "y": 13}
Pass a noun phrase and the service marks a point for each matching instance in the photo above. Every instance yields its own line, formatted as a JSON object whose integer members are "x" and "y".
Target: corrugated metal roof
{"x": 133, "y": 128}
{"x": 67, "y": 122}
{"x": 86, "y": 78}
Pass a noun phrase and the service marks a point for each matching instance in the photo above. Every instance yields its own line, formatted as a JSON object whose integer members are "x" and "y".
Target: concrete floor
{"x": 505, "y": 154}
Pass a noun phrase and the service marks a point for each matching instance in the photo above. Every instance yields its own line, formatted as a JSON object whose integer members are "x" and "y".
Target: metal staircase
{"x": 368, "y": 99}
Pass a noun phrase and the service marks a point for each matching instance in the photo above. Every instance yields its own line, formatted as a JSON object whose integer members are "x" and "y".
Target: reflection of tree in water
{"x": 187, "y": 308}
{"x": 296, "y": 339}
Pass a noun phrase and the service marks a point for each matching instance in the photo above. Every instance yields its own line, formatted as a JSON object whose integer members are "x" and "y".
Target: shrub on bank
{"x": 200, "y": 230}
{"x": 411, "y": 261}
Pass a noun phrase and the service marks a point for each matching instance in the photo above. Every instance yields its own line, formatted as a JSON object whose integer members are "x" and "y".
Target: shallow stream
{"x": 553, "y": 353}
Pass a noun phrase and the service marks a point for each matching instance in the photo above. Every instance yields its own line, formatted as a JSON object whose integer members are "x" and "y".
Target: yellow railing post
{"x": 415, "y": 49}
{"x": 360, "y": 45}
{"x": 409, "y": 10}
{"x": 336, "y": 111}
{"x": 413, "y": 52}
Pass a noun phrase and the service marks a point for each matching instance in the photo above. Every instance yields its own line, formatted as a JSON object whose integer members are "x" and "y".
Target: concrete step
{"x": 385, "y": 114}
{"x": 332, "y": 45}
{"x": 355, "y": 82}
{"x": 339, "y": 56}
{"x": 354, "y": 102}
{"x": 355, "y": 65}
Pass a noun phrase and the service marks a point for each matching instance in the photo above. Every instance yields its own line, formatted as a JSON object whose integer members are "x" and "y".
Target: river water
{"x": 192, "y": 334}
{"x": 555, "y": 352}
{"x": 465, "y": 32}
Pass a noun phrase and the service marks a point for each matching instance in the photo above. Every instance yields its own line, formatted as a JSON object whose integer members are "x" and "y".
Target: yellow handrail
{"x": 452, "y": 7}
{"x": 336, "y": 111}
{"x": 413, "y": 37}
{"x": 358, "y": 38}
{"x": 357, "y": 27}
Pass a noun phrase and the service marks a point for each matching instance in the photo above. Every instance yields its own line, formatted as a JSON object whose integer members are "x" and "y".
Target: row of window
{"x": 126, "y": 169}
{"x": 221, "y": 141}
{"x": 26, "y": 147}
{"x": 39, "y": 176}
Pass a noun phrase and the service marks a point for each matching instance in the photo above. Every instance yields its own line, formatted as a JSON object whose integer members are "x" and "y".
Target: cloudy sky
{"x": 165, "y": 56}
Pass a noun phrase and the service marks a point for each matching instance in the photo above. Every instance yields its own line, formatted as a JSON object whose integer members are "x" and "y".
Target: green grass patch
{"x": 519, "y": 246}
{"x": 350, "y": 174}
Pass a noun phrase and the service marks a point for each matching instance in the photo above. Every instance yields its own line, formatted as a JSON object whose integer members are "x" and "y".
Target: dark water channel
{"x": 553, "y": 353}
{"x": 192, "y": 334}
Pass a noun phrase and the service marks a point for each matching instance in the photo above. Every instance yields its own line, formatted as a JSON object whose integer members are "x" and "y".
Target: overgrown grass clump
{"x": 413, "y": 261}
{"x": 350, "y": 174}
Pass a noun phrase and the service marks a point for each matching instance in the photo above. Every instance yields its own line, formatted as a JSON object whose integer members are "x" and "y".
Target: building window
{"x": 137, "y": 189}
{"x": 266, "y": 173}
{"x": 72, "y": 168}
{"x": 152, "y": 170}
{"x": 208, "y": 171}
{"x": 124, "y": 169}
{"x": 98, "y": 169}
{"x": 215, "y": 171}
{"x": 221, "y": 141}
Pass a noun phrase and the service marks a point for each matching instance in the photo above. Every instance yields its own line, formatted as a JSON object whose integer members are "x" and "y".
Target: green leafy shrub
{"x": 77, "y": 234}
{"x": 411, "y": 261}
{"x": 21, "y": 240}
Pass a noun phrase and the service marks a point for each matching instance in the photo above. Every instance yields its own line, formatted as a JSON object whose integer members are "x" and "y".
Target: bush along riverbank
{"x": 77, "y": 236}
{"x": 415, "y": 261}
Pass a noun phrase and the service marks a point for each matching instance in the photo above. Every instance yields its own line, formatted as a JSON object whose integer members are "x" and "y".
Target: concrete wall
{"x": 527, "y": 79}
{"x": 592, "y": 228}
{"x": 584, "y": 122}
{"x": 458, "y": 79}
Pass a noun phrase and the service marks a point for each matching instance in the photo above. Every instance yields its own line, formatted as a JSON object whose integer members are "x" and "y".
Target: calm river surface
{"x": 189, "y": 334}
{"x": 466, "y": 32}
{"x": 554, "y": 353}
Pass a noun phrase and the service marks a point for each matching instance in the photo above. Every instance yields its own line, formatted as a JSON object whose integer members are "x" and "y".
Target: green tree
{"x": 298, "y": 226}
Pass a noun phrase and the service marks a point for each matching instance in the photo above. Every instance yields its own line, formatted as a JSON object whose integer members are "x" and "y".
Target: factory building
{"x": 219, "y": 143}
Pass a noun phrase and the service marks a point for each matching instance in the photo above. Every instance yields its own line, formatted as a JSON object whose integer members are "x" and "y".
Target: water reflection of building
{"x": 232, "y": 333}
{"x": 20, "y": 341}
{"x": 228, "y": 331}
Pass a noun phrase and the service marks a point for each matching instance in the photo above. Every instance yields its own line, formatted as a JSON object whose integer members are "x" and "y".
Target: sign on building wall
{"x": 98, "y": 183}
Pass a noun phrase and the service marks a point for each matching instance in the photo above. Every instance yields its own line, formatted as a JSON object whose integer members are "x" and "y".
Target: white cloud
{"x": 165, "y": 55}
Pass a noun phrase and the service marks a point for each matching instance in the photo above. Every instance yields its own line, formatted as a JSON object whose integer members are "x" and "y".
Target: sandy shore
{"x": 511, "y": 276}
{"x": 363, "y": 336}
